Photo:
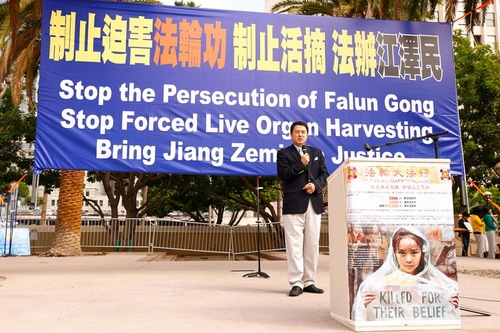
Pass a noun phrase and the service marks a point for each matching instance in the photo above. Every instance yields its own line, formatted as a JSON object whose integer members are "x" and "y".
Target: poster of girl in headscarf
{"x": 400, "y": 243}
{"x": 408, "y": 285}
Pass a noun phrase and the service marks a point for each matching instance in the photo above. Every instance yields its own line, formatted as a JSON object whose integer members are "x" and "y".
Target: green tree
{"x": 478, "y": 88}
{"x": 125, "y": 187}
{"x": 15, "y": 127}
{"x": 193, "y": 195}
{"x": 242, "y": 195}
{"x": 186, "y": 4}
{"x": 24, "y": 190}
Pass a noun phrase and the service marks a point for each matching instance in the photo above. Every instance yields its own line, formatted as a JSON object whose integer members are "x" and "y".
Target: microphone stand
{"x": 259, "y": 272}
{"x": 433, "y": 136}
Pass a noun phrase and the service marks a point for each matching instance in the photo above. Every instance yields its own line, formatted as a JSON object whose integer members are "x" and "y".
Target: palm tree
{"x": 20, "y": 36}
{"x": 414, "y": 10}
{"x": 20, "y": 50}
{"x": 186, "y": 4}
{"x": 69, "y": 215}
{"x": 19, "y": 64}
{"x": 471, "y": 7}
{"x": 308, "y": 7}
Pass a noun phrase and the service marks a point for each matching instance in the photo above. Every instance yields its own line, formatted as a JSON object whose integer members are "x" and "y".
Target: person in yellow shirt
{"x": 479, "y": 229}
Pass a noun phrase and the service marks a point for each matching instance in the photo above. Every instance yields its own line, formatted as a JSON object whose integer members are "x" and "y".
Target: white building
{"x": 485, "y": 31}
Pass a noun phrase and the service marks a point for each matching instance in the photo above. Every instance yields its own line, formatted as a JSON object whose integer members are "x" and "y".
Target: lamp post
{"x": 487, "y": 196}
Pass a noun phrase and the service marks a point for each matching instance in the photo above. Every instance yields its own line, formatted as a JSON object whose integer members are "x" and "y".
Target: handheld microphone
{"x": 304, "y": 151}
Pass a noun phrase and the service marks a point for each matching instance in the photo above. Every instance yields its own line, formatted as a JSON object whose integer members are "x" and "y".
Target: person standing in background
{"x": 490, "y": 229}
{"x": 463, "y": 223}
{"x": 478, "y": 227}
{"x": 304, "y": 174}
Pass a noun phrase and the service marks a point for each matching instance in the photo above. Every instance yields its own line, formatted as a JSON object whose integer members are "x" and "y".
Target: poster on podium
{"x": 393, "y": 228}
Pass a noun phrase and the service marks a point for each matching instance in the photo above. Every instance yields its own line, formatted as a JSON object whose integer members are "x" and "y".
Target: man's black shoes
{"x": 312, "y": 289}
{"x": 296, "y": 291}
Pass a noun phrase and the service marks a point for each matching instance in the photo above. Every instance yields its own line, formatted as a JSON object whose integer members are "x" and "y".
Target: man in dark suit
{"x": 304, "y": 174}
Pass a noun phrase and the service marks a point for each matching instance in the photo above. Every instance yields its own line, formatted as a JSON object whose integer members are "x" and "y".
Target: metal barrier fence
{"x": 166, "y": 234}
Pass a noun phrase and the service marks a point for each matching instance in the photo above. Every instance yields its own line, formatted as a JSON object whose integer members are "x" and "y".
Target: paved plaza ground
{"x": 136, "y": 292}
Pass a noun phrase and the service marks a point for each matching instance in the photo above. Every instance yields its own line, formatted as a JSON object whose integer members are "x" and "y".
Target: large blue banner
{"x": 163, "y": 89}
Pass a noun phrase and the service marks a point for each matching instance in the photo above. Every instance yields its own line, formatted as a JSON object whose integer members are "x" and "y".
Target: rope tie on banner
{"x": 474, "y": 10}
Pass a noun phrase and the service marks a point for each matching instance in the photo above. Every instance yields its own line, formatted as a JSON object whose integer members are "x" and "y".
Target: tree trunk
{"x": 110, "y": 193}
{"x": 369, "y": 10}
{"x": 43, "y": 214}
{"x": 398, "y": 9}
{"x": 69, "y": 215}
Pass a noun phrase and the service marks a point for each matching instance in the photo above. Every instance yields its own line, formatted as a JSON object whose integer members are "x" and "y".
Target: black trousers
{"x": 465, "y": 243}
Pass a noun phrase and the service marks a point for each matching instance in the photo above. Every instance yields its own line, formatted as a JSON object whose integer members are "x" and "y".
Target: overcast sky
{"x": 246, "y": 5}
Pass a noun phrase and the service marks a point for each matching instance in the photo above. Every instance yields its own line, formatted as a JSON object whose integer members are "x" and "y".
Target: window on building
{"x": 490, "y": 20}
{"x": 87, "y": 193}
{"x": 52, "y": 202}
{"x": 491, "y": 40}
{"x": 436, "y": 17}
{"x": 460, "y": 12}
{"x": 477, "y": 40}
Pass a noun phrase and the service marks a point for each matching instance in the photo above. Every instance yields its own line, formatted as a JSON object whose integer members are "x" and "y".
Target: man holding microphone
{"x": 304, "y": 174}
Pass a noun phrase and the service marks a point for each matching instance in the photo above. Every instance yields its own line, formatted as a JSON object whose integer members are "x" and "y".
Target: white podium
{"x": 392, "y": 245}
